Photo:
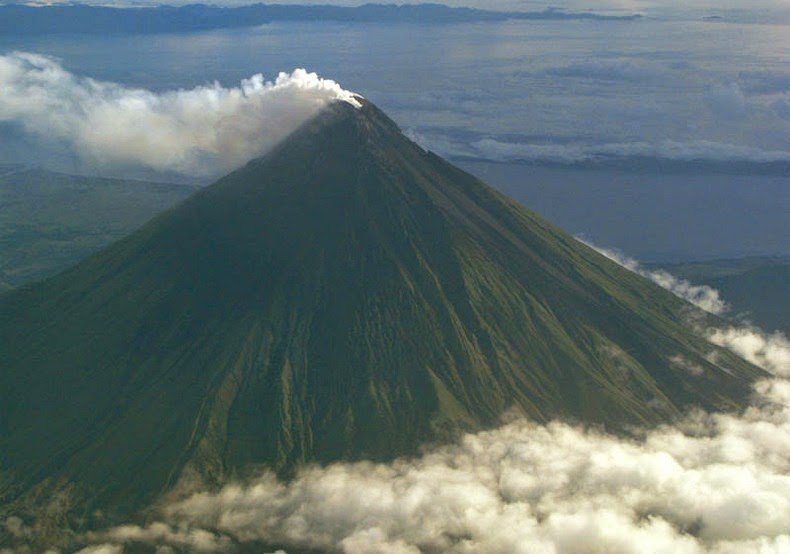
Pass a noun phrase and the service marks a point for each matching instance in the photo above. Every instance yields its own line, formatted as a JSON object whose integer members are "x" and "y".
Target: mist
{"x": 204, "y": 131}
{"x": 494, "y": 150}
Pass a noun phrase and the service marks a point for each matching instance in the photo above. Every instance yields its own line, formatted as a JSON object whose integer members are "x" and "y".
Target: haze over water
{"x": 556, "y": 92}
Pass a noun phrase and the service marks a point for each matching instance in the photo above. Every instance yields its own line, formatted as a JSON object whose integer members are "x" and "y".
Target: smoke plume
{"x": 204, "y": 131}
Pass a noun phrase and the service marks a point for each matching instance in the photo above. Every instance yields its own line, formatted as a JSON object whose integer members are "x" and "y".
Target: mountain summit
{"x": 348, "y": 295}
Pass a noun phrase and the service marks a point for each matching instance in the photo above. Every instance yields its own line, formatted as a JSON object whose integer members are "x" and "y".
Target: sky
{"x": 635, "y": 6}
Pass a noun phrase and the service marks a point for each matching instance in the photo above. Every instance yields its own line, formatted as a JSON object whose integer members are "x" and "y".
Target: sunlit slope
{"x": 346, "y": 296}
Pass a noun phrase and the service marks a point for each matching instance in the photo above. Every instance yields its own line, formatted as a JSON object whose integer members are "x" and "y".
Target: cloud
{"x": 190, "y": 539}
{"x": 765, "y": 82}
{"x": 666, "y": 149}
{"x": 572, "y": 153}
{"x": 769, "y": 351}
{"x": 204, "y": 131}
{"x": 715, "y": 483}
{"x": 712, "y": 483}
{"x": 622, "y": 70}
{"x": 702, "y": 296}
{"x": 781, "y": 106}
{"x": 727, "y": 101}
{"x": 102, "y": 549}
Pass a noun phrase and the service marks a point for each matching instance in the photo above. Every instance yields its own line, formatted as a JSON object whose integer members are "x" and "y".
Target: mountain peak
{"x": 359, "y": 117}
{"x": 348, "y": 295}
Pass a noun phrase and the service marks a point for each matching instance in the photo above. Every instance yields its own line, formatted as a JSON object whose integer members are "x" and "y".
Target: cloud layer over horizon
{"x": 715, "y": 483}
{"x": 492, "y": 149}
{"x": 204, "y": 131}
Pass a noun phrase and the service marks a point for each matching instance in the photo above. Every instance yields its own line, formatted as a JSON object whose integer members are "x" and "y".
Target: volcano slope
{"x": 346, "y": 296}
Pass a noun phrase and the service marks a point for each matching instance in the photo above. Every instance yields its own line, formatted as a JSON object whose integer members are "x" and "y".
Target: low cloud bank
{"x": 204, "y": 131}
{"x": 717, "y": 483}
{"x": 504, "y": 151}
{"x": 618, "y": 70}
{"x": 769, "y": 351}
{"x": 713, "y": 483}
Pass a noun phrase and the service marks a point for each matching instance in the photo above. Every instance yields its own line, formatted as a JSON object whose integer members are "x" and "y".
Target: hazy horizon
{"x": 568, "y": 96}
{"x": 755, "y": 11}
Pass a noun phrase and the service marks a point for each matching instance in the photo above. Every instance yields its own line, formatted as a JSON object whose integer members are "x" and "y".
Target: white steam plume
{"x": 204, "y": 131}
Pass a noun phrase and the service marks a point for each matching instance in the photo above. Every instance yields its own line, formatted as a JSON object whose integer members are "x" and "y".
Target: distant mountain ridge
{"x": 347, "y": 296}
{"x": 20, "y": 19}
{"x": 50, "y": 220}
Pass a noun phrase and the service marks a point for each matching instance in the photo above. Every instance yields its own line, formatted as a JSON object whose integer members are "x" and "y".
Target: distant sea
{"x": 537, "y": 98}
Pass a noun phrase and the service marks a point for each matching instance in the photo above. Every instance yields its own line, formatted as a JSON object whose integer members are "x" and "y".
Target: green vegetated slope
{"x": 49, "y": 221}
{"x": 346, "y": 296}
{"x": 757, "y": 289}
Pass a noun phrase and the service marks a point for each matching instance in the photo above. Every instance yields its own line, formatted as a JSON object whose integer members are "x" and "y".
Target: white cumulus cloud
{"x": 727, "y": 101}
{"x": 712, "y": 483}
{"x": 702, "y": 296}
{"x": 715, "y": 483}
{"x": 571, "y": 153}
{"x": 203, "y": 131}
{"x": 769, "y": 351}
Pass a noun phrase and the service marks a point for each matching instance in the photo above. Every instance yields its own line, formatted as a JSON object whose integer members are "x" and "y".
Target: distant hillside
{"x": 75, "y": 18}
{"x": 49, "y": 221}
{"x": 757, "y": 289}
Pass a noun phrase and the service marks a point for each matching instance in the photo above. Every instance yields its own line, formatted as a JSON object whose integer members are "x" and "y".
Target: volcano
{"x": 347, "y": 296}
